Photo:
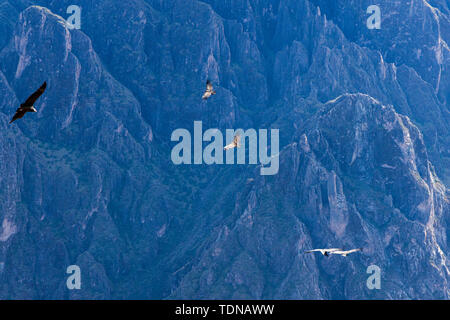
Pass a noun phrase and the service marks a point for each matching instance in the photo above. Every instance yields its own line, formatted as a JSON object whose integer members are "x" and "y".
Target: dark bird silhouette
{"x": 28, "y": 105}
{"x": 209, "y": 90}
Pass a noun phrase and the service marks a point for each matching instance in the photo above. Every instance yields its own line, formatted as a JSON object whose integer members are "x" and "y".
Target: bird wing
{"x": 236, "y": 140}
{"x": 353, "y": 250}
{"x": 206, "y": 95}
{"x": 32, "y": 99}
{"x": 19, "y": 114}
{"x": 314, "y": 250}
{"x": 229, "y": 146}
{"x": 327, "y": 250}
{"x": 209, "y": 86}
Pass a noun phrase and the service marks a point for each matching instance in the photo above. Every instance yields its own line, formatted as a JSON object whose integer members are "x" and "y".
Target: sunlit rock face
{"x": 88, "y": 180}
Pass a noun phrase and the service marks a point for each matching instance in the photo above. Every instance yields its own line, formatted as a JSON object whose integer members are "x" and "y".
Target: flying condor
{"x": 28, "y": 105}
{"x": 209, "y": 90}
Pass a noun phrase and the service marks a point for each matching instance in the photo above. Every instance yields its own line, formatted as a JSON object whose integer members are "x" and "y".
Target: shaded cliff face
{"x": 323, "y": 198}
{"x": 412, "y": 32}
{"x": 364, "y": 125}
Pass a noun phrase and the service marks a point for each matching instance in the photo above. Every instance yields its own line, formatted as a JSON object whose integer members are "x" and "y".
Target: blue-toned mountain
{"x": 364, "y": 133}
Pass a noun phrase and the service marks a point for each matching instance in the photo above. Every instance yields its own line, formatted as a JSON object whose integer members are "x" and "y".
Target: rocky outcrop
{"x": 60, "y": 186}
{"x": 342, "y": 182}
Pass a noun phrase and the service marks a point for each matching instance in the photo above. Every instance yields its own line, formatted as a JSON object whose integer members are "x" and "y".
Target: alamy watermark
{"x": 374, "y": 21}
{"x": 213, "y": 153}
{"x": 74, "y": 280}
{"x": 74, "y": 21}
{"x": 374, "y": 281}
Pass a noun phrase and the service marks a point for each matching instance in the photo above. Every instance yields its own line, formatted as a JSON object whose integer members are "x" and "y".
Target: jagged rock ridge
{"x": 89, "y": 181}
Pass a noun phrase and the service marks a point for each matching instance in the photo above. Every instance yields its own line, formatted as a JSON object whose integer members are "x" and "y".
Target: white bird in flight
{"x": 233, "y": 144}
{"x": 325, "y": 252}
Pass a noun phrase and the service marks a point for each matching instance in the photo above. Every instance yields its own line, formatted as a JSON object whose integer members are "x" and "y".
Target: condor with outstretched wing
{"x": 28, "y": 105}
{"x": 325, "y": 252}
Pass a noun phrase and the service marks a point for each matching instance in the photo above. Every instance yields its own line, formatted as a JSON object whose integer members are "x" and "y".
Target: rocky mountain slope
{"x": 364, "y": 124}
